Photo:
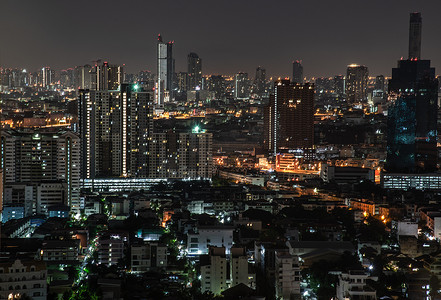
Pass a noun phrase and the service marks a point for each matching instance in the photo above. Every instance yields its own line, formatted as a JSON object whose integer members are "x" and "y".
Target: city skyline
{"x": 229, "y": 41}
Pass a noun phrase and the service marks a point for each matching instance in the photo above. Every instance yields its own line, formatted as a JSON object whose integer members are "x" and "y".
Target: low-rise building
{"x": 19, "y": 277}
{"x": 148, "y": 256}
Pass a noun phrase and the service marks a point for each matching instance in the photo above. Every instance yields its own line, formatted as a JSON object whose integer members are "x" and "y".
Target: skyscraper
{"x": 107, "y": 77}
{"x": 412, "y": 118}
{"x": 241, "y": 86}
{"x": 260, "y": 81}
{"x": 289, "y": 117}
{"x": 82, "y": 77}
{"x": 356, "y": 84}
{"x": 47, "y": 77}
{"x": 165, "y": 71}
{"x": 297, "y": 71}
{"x": 114, "y": 128}
{"x": 33, "y": 157}
{"x": 194, "y": 63}
{"x": 415, "y": 27}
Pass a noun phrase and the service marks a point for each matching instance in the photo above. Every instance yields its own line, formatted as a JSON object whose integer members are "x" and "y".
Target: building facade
{"x": 289, "y": 117}
{"x": 356, "y": 84}
{"x": 45, "y": 164}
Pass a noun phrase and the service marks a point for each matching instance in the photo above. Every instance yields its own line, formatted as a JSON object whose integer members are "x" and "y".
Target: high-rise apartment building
{"x": 194, "y": 63}
{"x": 356, "y": 84}
{"x": 114, "y": 127}
{"x": 49, "y": 162}
{"x": 216, "y": 84}
{"x": 180, "y": 155}
{"x": 165, "y": 72}
{"x": 107, "y": 77}
{"x": 297, "y": 71}
{"x": 241, "y": 86}
{"x": 82, "y": 77}
{"x": 47, "y": 77}
{"x": 412, "y": 118}
{"x": 183, "y": 82}
{"x": 289, "y": 117}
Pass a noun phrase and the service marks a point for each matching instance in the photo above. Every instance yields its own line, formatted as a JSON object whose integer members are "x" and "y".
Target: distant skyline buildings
{"x": 412, "y": 116}
{"x": 297, "y": 71}
{"x": 356, "y": 84}
{"x": 70, "y": 52}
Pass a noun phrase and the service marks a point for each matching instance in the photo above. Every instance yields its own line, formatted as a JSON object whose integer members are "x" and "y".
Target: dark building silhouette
{"x": 297, "y": 71}
{"x": 289, "y": 117}
{"x": 260, "y": 81}
{"x": 415, "y": 26}
{"x": 412, "y": 118}
{"x": 194, "y": 63}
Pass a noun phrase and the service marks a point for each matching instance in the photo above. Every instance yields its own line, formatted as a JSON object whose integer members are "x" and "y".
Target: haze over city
{"x": 231, "y": 36}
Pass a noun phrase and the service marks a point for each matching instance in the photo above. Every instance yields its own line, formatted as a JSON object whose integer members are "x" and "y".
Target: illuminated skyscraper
{"x": 47, "y": 77}
{"x": 297, "y": 71}
{"x": 194, "y": 63}
{"x": 289, "y": 117}
{"x": 165, "y": 72}
{"x": 412, "y": 118}
{"x": 241, "y": 86}
{"x": 114, "y": 128}
{"x": 356, "y": 84}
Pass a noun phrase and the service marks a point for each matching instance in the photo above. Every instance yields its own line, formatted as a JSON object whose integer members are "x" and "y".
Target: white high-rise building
{"x": 165, "y": 72}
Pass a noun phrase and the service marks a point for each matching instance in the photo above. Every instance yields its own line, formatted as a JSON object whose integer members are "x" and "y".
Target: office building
{"x": 46, "y": 165}
{"x": 289, "y": 117}
{"x": 356, "y": 84}
{"x": 114, "y": 127}
{"x": 241, "y": 86}
{"x": 165, "y": 72}
{"x": 194, "y": 63}
{"x": 412, "y": 116}
{"x": 297, "y": 71}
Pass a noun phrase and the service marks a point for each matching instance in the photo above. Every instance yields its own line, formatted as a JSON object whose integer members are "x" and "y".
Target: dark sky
{"x": 229, "y": 35}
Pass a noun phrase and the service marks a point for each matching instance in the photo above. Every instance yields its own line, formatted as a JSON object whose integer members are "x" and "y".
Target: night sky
{"x": 229, "y": 36}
